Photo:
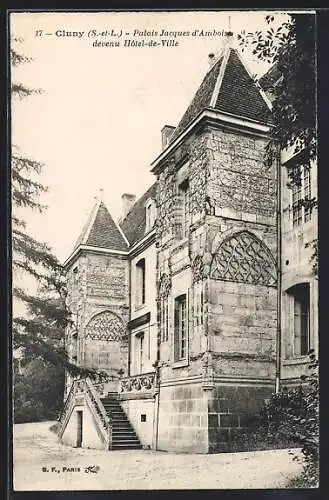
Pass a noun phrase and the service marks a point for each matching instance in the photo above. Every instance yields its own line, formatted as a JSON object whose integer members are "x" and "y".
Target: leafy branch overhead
{"x": 291, "y": 85}
{"x": 290, "y": 48}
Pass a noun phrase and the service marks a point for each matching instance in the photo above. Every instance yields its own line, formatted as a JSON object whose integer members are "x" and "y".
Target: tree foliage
{"x": 291, "y": 82}
{"x": 294, "y": 415}
{"x": 40, "y": 332}
{"x": 291, "y": 50}
{"x": 38, "y": 391}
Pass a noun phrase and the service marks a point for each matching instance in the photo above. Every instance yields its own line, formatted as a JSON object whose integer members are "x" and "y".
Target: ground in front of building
{"x": 42, "y": 463}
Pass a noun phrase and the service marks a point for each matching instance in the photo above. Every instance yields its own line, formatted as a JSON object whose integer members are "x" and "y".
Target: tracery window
{"x": 105, "y": 326}
{"x": 244, "y": 258}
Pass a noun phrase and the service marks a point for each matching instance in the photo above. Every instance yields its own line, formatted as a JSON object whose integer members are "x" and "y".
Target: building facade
{"x": 202, "y": 300}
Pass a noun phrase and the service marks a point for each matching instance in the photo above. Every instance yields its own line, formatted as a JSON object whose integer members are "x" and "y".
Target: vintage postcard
{"x": 165, "y": 285}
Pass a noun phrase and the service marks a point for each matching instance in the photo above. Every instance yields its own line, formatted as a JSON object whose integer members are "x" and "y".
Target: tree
{"x": 38, "y": 391}
{"x": 291, "y": 82}
{"x": 41, "y": 332}
{"x": 290, "y": 48}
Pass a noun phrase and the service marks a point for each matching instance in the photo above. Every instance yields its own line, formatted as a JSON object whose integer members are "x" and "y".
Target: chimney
{"x": 166, "y": 133}
{"x": 127, "y": 202}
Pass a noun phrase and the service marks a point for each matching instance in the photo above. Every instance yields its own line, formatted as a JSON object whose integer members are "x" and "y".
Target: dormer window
{"x": 149, "y": 215}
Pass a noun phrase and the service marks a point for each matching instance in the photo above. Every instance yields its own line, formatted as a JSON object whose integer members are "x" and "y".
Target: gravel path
{"x": 36, "y": 448}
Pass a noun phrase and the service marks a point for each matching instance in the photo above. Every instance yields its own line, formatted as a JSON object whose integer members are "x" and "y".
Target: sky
{"x": 97, "y": 124}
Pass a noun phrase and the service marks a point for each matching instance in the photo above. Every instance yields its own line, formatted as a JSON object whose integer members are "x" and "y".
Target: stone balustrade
{"x": 138, "y": 384}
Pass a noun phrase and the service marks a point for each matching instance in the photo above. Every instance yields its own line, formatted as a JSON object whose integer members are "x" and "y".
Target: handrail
{"x": 103, "y": 415}
{"x": 67, "y": 406}
{"x": 85, "y": 388}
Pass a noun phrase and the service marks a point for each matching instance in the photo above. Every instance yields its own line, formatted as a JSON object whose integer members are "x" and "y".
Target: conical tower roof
{"x": 101, "y": 231}
{"x": 228, "y": 87}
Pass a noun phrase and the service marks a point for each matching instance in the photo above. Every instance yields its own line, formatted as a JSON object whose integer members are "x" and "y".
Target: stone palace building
{"x": 201, "y": 301}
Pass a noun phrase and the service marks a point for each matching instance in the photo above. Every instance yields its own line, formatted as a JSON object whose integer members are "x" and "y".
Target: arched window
{"x": 244, "y": 258}
{"x": 102, "y": 341}
{"x": 104, "y": 326}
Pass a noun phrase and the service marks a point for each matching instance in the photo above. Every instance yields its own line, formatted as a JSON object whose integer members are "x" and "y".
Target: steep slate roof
{"x": 133, "y": 225}
{"x": 101, "y": 231}
{"x": 271, "y": 76}
{"x": 201, "y": 99}
{"x": 227, "y": 87}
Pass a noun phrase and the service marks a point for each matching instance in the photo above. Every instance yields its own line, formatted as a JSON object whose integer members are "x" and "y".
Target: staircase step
{"x": 123, "y": 431}
{"x": 127, "y": 440}
{"x": 124, "y": 436}
{"x": 126, "y": 445}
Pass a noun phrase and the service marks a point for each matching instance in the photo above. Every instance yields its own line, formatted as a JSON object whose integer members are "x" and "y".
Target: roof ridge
{"x": 257, "y": 85}
{"x": 102, "y": 231}
{"x": 225, "y": 57}
{"x": 121, "y": 231}
{"x": 86, "y": 228}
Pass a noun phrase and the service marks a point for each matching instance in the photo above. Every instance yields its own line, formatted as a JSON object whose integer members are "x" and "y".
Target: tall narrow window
{"x": 180, "y": 343}
{"x": 201, "y": 307}
{"x": 140, "y": 282}
{"x": 184, "y": 207}
{"x": 301, "y": 192}
{"x": 139, "y": 352}
{"x": 198, "y": 307}
{"x": 301, "y": 311}
{"x": 307, "y": 192}
{"x": 164, "y": 323}
{"x": 297, "y": 215}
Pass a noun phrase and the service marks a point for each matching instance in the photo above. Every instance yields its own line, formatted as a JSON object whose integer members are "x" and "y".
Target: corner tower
{"x": 98, "y": 296}
{"x": 217, "y": 254}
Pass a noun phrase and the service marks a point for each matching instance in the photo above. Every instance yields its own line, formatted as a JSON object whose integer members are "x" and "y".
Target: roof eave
{"x": 212, "y": 114}
{"x": 90, "y": 248}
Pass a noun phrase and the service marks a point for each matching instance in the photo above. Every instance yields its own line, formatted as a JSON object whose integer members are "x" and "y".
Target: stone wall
{"x": 230, "y": 256}
{"x": 243, "y": 326}
{"x": 240, "y": 186}
{"x": 99, "y": 300}
{"x": 183, "y": 418}
{"x": 90, "y": 436}
{"x": 141, "y": 414}
{"x": 230, "y": 410}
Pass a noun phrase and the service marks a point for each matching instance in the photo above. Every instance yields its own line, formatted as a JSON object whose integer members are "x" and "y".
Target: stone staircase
{"x": 123, "y": 435}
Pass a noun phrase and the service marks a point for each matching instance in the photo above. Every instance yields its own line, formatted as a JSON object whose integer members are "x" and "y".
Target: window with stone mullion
{"x": 301, "y": 191}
